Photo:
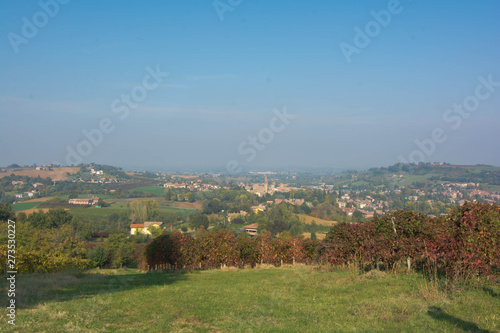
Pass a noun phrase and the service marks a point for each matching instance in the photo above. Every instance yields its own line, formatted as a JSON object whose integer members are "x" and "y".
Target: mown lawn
{"x": 299, "y": 299}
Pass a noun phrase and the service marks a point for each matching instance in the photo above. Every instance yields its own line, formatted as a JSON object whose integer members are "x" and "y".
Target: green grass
{"x": 409, "y": 179}
{"x": 25, "y": 205}
{"x": 102, "y": 196}
{"x": 169, "y": 210}
{"x": 300, "y": 299}
{"x": 156, "y": 190}
{"x": 493, "y": 188}
{"x": 119, "y": 205}
{"x": 360, "y": 183}
{"x": 94, "y": 214}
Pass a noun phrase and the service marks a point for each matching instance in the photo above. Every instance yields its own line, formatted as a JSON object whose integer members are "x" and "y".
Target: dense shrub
{"x": 99, "y": 255}
{"x": 43, "y": 251}
{"x": 217, "y": 249}
{"x": 348, "y": 244}
{"x": 400, "y": 236}
{"x": 249, "y": 250}
{"x": 464, "y": 243}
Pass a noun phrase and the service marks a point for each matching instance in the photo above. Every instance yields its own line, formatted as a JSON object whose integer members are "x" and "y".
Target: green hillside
{"x": 300, "y": 299}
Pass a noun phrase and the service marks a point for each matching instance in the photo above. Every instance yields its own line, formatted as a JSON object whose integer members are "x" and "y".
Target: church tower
{"x": 265, "y": 185}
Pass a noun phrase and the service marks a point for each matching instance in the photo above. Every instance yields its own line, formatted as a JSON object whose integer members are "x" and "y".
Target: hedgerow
{"x": 464, "y": 243}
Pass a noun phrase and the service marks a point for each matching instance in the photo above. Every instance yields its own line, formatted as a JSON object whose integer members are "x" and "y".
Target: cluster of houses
{"x": 102, "y": 180}
{"x": 145, "y": 228}
{"x": 362, "y": 205}
{"x": 96, "y": 172}
{"x": 296, "y": 202}
{"x": 28, "y": 194}
{"x": 193, "y": 186}
{"x": 267, "y": 188}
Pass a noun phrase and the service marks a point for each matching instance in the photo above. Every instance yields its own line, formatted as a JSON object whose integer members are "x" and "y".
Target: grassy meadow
{"x": 25, "y": 205}
{"x": 120, "y": 205}
{"x": 268, "y": 299}
{"x": 156, "y": 190}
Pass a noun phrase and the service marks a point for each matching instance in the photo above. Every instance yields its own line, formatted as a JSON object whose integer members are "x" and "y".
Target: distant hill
{"x": 56, "y": 173}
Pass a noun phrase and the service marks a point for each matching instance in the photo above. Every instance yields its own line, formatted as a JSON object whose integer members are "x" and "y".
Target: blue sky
{"x": 227, "y": 76}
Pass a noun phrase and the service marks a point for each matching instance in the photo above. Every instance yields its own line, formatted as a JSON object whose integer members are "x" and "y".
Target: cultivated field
{"x": 39, "y": 199}
{"x": 22, "y": 206}
{"x": 299, "y": 299}
{"x": 29, "y": 211}
{"x": 102, "y": 196}
{"x": 189, "y": 205}
{"x": 185, "y": 176}
{"x": 56, "y": 175}
{"x": 156, "y": 190}
{"x": 309, "y": 220}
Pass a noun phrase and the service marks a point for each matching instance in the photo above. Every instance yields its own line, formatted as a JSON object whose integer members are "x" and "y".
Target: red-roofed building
{"x": 251, "y": 229}
{"x": 142, "y": 228}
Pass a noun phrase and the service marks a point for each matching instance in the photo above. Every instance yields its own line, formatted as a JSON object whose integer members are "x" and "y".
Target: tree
{"x": 155, "y": 231}
{"x": 144, "y": 210}
{"x": 59, "y": 216}
{"x": 189, "y": 197}
{"x": 102, "y": 203}
{"x": 212, "y": 206}
{"x": 296, "y": 229}
{"x": 40, "y": 220}
{"x": 47, "y": 250}
{"x": 357, "y": 216}
{"x": 21, "y": 217}
{"x": 99, "y": 255}
{"x": 277, "y": 226}
{"x": 120, "y": 249}
{"x": 83, "y": 228}
{"x": 123, "y": 255}
{"x": 6, "y": 212}
{"x": 198, "y": 220}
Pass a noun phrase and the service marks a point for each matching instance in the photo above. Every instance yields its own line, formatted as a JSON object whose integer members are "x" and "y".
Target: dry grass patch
{"x": 309, "y": 220}
{"x": 39, "y": 199}
{"x": 56, "y": 174}
{"x": 33, "y": 210}
{"x": 189, "y": 205}
{"x": 318, "y": 235}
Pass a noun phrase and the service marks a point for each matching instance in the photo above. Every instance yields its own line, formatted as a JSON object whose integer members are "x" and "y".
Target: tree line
{"x": 462, "y": 244}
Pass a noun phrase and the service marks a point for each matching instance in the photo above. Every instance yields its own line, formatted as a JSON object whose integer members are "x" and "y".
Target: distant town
{"x": 245, "y": 202}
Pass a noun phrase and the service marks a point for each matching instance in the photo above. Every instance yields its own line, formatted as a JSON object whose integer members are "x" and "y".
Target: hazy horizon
{"x": 249, "y": 84}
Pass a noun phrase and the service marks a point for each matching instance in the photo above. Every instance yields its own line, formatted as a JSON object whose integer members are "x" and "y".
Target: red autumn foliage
{"x": 464, "y": 243}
